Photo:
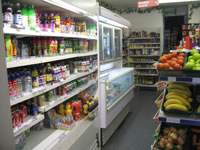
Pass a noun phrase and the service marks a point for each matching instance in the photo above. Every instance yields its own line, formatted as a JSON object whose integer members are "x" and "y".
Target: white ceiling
{"x": 123, "y": 3}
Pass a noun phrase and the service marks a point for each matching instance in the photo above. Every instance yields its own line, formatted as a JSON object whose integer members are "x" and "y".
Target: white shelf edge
{"x": 33, "y": 61}
{"x": 143, "y": 62}
{"x": 49, "y": 87}
{"x": 52, "y": 34}
{"x": 146, "y": 74}
{"x": 33, "y": 121}
{"x": 144, "y": 68}
{"x": 64, "y": 98}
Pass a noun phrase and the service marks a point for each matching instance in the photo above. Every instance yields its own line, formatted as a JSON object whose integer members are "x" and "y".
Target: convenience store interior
{"x": 100, "y": 75}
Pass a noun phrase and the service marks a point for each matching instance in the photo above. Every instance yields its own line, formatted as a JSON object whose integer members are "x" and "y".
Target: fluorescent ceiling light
{"x": 111, "y": 22}
{"x": 175, "y": 1}
{"x": 66, "y": 5}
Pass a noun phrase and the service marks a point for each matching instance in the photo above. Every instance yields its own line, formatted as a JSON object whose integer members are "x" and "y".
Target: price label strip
{"x": 173, "y": 120}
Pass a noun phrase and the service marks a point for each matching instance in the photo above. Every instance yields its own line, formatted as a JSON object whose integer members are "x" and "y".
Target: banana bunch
{"x": 178, "y": 97}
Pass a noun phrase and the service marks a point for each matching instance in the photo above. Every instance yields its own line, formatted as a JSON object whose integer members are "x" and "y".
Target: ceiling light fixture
{"x": 111, "y": 22}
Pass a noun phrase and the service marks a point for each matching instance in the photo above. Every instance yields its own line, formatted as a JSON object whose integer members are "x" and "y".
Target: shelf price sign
{"x": 147, "y": 3}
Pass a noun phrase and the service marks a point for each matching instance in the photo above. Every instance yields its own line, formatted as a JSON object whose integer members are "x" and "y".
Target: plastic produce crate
{"x": 188, "y": 72}
{"x": 172, "y": 72}
{"x": 176, "y": 111}
{"x": 177, "y": 126}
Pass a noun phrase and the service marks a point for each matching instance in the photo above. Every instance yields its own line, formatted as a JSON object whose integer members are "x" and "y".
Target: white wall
{"x": 195, "y": 16}
{"x": 149, "y": 22}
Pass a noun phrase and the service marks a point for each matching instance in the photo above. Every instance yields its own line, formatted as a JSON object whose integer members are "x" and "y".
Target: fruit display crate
{"x": 171, "y": 72}
{"x": 190, "y": 72}
{"x": 193, "y": 80}
{"x": 192, "y": 119}
{"x": 176, "y": 111}
{"x": 164, "y": 125}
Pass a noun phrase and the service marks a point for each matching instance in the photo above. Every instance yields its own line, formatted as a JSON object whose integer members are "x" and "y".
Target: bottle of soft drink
{"x": 14, "y": 85}
{"x": 57, "y": 22}
{"x": 44, "y": 46}
{"x": 61, "y": 46}
{"x": 31, "y": 18}
{"x": 49, "y": 73}
{"x": 19, "y": 83}
{"x": 8, "y": 47}
{"x": 51, "y": 46}
{"x": 54, "y": 74}
{"x": 35, "y": 77}
{"x": 22, "y": 75}
{"x": 51, "y": 22}
{"x": 28, "y": 82}
{"x": 39, "y": 47}
{"x": 17, "y": 14}
{"x": 55, "y": 46}
{"x": 37, "y": 20}
{"x": 24, "y": 16}
{"x": 45, "y": 23}
{"x": 40, "y": 76}
{"x": 10, "y": 86}
{"x": 14, "y": 46}
{"x": 8, "y": 14}
{"x": 72, "y": 25}
{"x": 44, "y": 74}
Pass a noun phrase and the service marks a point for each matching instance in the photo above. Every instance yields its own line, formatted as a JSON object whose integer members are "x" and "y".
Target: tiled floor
{"x": 135, "y": 133}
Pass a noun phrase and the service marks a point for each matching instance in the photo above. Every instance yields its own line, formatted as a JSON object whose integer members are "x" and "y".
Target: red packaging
{"x": 23, "y": 108}
{"x": 21, "y": 117}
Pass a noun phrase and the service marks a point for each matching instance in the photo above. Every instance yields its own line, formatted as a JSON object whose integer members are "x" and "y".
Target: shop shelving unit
{"x": 48, "y": 138}
{"x": 144, "y": 51}
{"x": 125, "y": 53}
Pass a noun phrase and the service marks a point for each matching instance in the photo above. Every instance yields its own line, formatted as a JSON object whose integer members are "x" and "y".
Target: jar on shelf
{"x": 42, "y": 100}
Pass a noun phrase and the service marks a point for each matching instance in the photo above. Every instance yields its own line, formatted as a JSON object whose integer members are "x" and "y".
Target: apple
{"x": 194, "y": 51}
{"x": 190, "y": 57}
{"x": 196, "y": 56}
{"x": 196, "y": 68}
{"x": 191, "y": 60}
{"x": 197, "y": 65}
{"x": 189, "y": 65}
{"x": 198, "y": 61}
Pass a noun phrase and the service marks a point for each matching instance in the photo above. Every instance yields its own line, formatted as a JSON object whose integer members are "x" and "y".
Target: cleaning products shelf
{"x": 61, "y": 99}
{"x": 39, "y": 60}
{"x": 179, "y": 119}
{"x": 28, "y": 123}
{"x": 22, "y": 32}
{"x": 44, "y": 89}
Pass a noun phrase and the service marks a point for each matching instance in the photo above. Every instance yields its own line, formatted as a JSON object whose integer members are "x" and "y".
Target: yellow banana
{"x": 179, "y": 94}
{"x": 186, "y": 92}
{"x": 173, "y": 101}
{"x": 180, "y": 98}
{"x": 190, "y": 99}
{"x": 176, "y": 107}
{"x": 176, "y": 86}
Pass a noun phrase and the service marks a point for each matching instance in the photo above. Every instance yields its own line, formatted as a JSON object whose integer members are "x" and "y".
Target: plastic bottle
{"x": 40, "y": 76}
{"x": 35, "y": 77}
{"x": 68, "y": 110}
{"x": 10, "y": 86}
{"x": 49, "y": 73}
{"x": 61, "y": 46}
{"x": 67, "y": 24}
{"x": 32, "y": 18}
{"x": 28, "y": 82}
{"x": 51, "y": 46}
{"x": 22, "y": 75}
{"x": 44, "y": 47}
{"x": 14, "y": 85}
{"x": 37, "y": 20}
{"x": 8, "y": 14}
{"x": 72, "y": 25}
{"x": 17, "y": 14}
{"x": 54, "y": 74}
{"x": 8, "y": 48}
{"x": 24, "y": 16}
{"x": 55, "y": 51}
{"x": 19, "y": 83}
{"x": 39, "y": 47}
{"x": 51, "y": 22}
{"x": 44, "y": 74}
{"x": 61, "y": 110}
{"x": 14, "y": 45}
{"x": 57, "y": 22}
{"x": 45, "y": 23}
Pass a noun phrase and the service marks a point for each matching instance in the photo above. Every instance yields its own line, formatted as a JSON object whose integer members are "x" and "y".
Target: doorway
{"x": 173, "y": 31}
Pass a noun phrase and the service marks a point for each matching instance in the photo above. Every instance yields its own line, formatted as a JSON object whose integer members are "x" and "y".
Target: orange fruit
{"x": 174, "y": 59}
{"x": 176, "y": 66}
{"x": 163, "y": 59}
{"x": 169, "y": 56}
{"x": 174, "y": 54}
{"x": 180, "y": 61}
{"x": 182, "y": 54}
{"x": 180, "y": 57}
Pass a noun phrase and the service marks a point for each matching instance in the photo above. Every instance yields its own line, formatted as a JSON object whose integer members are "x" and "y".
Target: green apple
{"x": 198, "y": 61}
{"x": 197, "y": 65}
{"x": 192, "y": 60}
{"x": 196, "y": 68}
{"x": 189, "y": 65}
{"x": 194, "y": 51}
{"x": 190, "y": 57}
{"x": 196, "y": 56}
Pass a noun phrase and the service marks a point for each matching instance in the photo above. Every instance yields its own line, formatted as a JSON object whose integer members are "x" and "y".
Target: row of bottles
{"x": 44, "y": 46}
{"x": 27, "y": 17}
{"x": 27, "y": 78}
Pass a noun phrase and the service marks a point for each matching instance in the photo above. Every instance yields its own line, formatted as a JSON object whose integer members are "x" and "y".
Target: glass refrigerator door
{"x": 107, "y": 43}
{"x": 117, "y": 43}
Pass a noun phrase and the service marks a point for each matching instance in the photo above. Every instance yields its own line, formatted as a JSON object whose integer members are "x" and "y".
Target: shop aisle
{"x": 135, "y": 133}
